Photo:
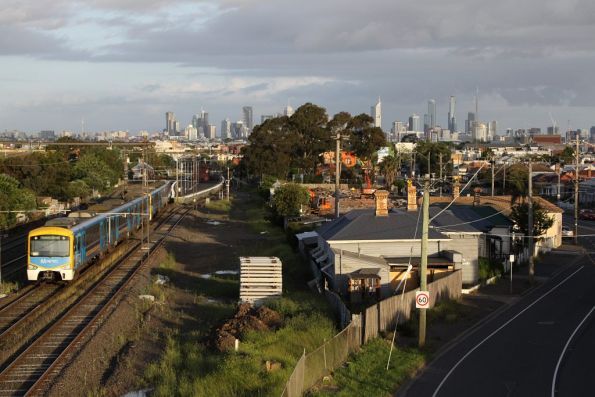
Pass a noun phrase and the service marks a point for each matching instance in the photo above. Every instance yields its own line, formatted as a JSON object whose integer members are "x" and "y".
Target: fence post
{"x": 324, "y": 353}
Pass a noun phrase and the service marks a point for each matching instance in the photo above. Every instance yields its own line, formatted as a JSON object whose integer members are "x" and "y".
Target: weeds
{"x": 8, "y": 287}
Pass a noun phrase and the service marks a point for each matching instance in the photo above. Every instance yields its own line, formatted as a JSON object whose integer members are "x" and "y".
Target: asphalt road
{"x": 540, "y": 346}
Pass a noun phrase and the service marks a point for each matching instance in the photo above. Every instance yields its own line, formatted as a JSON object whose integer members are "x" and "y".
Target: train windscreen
{"x": 50, "y": 246}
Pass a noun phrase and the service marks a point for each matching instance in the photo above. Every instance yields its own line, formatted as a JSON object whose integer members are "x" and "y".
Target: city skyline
{"x": 121, "y": 65}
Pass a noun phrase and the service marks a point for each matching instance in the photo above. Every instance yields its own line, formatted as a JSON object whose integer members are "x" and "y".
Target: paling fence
{"x": 359, "y": 329}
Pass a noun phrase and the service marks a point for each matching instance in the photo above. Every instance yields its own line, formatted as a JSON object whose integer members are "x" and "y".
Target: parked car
{"x": 567, "y": 232}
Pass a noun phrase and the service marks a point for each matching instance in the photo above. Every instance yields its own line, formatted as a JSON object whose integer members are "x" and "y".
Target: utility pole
{"x": 530, "y": 223}
{"x": 440, "y": 157}
{"x": 337, "y": 173}
{"x": 504, "y": 180}
{"x": 558, "y": 190}
{"x": 493, "y": 165}
{"x": 576, "y": 183}
{"x": 228, "y": 182}
{"x": 423, "y": 284}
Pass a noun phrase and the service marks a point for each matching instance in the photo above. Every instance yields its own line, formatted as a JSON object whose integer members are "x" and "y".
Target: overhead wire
{"x": 454, "y": 198}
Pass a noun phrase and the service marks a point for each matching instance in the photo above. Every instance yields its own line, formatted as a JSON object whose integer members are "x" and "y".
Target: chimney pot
{"x": 381, "y": 197}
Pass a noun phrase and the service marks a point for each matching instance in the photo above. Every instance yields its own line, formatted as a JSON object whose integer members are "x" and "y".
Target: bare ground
{"x": 196, "y": 300}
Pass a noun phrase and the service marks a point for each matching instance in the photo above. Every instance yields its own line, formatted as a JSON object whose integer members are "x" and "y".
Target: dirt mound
{"x": 246, "y": 319}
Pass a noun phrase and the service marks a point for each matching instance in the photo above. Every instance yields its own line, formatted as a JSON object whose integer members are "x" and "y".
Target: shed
{"x": 260, "y": 278}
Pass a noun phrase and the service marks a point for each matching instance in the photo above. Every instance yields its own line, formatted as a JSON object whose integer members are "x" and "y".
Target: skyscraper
{"x": 432, "y": 113}
{"x": 376, "y": 113}
{"x": 226, "y": 129}
{"x": 414, "y": 123}
{"x": 452, "y": 122}
{"x": 469, "y": 123}
{"x": 170, "y": 123}
{"x": 247, "y": 117}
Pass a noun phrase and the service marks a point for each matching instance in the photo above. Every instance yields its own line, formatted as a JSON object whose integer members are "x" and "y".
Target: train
{"x": 63, "y": 246}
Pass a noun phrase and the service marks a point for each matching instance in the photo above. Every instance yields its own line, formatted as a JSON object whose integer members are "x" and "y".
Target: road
{"x": 540, "y": 346}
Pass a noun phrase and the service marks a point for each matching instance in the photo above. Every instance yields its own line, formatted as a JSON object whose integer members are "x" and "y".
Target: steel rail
{"x": 72, "y": 340}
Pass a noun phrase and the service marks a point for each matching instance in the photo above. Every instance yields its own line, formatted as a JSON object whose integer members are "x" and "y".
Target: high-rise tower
{"x": 432, "y": 113}
{"x": 376, "y": 113}
{"x": 247, "y": 117}
{"x": 170, "y": 123}
{"x": 452, "y": 121}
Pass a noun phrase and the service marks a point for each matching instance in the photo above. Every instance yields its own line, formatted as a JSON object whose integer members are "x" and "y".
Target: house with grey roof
{"x": 369, "y": 249}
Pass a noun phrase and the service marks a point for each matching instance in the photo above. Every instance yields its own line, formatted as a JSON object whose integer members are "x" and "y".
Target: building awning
{"x": 365, "y": 273}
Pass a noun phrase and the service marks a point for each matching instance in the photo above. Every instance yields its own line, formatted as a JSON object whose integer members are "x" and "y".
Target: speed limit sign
{"x": 422, "y": 300}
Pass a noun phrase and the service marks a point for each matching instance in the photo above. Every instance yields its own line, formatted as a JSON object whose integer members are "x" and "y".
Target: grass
{"x": 366, "y": 375}
{"x": 8, "y": 287}
{"x": 219, "y": 205}
{"x": 189, "y": 368}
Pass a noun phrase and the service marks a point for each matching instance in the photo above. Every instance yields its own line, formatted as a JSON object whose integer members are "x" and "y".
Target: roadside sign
{"x": 422, "y": 300}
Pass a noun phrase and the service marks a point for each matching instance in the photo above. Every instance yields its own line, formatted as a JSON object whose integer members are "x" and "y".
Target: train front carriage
{"x": 51, "y": 254}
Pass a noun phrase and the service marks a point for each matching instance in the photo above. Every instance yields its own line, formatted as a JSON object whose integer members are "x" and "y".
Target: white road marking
{"x": 566, "y": 348}
{"x": 498, "y": 330}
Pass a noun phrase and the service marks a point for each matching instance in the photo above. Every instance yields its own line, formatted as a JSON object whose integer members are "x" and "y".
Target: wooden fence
{"x": 359, "y": 329}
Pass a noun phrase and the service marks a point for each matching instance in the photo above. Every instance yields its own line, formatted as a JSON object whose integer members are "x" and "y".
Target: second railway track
{"x": 34, "y": 369}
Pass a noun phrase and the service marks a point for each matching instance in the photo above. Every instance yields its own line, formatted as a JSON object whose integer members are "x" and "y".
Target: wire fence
{"x": 357, "y": 330}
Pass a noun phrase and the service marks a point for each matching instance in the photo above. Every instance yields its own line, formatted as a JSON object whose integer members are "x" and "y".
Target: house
{"x": 370, "y": 249}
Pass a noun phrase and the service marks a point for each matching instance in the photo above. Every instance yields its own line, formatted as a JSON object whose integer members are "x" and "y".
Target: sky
{"x": 121, "y": 64}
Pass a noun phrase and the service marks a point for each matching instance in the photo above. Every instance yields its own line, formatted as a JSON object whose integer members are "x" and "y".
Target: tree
{"x": 13, "y": 198}
{"x": 433, "y": 150}
{"x": 289, "y": 198}
{"x": 309, "y": 124}
{"x": 389, "y": 167}
{"x": 541, "y": 221}
{"x": 365, "y": 139}
{"x": 270, "y": 149}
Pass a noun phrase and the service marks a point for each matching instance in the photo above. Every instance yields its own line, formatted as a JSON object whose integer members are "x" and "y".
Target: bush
{"x": 488, "y": 268}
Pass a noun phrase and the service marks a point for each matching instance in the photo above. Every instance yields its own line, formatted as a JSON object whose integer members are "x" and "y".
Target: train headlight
{"x": 31, "y": 267}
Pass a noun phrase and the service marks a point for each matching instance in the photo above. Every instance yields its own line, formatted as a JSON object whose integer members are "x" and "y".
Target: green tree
{"x": 309, "y": 126}
{"x": 270, "y": 149}
{"x": 13, "y": 198}
{"x": 289, "y": 198}
{"x": 93, "y": 171}
{"x": 541, "y": 221}
{"x": 433, "y": 150}
{"x": 389, "y": 167}
{"x": 365, "y": 138}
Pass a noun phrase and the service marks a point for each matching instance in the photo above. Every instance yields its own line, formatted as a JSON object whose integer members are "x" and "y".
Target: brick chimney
{"x": 381, "y": 197}
{"x": 456, "y": 187}
{"x": 411, "y": 196}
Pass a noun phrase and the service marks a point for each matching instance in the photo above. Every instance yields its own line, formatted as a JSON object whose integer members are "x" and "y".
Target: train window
{"x": 49, "y": 246}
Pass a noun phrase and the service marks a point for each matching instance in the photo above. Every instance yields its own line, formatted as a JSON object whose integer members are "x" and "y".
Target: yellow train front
{"x": 64, "y": 246}
{"x": 51, "y": 251}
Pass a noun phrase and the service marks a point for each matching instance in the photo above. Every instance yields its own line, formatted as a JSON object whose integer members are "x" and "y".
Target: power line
{"x": 454, "y": 198}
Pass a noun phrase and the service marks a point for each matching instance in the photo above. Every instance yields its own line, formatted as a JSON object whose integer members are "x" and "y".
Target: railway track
{"x": 33, "y": 370}
{"x": 27, "y": 302}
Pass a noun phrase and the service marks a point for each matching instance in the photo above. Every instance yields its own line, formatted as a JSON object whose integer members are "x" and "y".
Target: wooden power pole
{"x": 423, "y": 284}
{"x": 530, "y": 223}
{"x": 576, "y": 185}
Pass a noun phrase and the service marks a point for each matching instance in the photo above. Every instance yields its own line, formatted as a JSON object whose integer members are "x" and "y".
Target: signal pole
{"x": 576, "y": 183}
{"x": 423, "y": 285}
{"x": 440, "y": 157}
{"x": 493, "y": 165}
{"x": 530, "y": 223}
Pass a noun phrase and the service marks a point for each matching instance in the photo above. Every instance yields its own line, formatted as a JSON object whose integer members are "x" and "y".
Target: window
{"x": 50, "y": 246}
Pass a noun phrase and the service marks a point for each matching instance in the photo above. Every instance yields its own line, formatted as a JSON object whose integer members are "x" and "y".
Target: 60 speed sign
{"x": 422, "y": 300}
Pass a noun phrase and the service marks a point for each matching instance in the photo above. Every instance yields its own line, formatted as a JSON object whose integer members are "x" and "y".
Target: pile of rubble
{"x": 246, "y": 319}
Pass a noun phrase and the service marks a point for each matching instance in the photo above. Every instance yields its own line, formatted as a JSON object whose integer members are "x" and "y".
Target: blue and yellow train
{"x": 63, "y": 246}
